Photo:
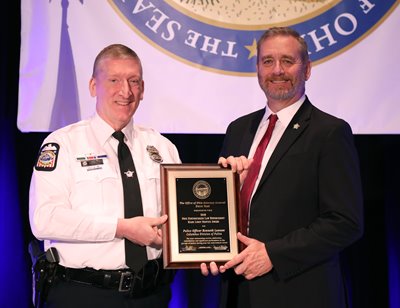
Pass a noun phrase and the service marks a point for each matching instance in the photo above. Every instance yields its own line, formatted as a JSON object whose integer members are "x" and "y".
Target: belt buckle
{"x": 125, "y": 282}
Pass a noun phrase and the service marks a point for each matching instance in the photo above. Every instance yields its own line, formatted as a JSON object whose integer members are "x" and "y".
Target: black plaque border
{"x": 172, "y": 258}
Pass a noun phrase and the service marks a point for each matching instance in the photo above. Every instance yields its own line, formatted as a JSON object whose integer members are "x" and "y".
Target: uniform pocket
{"x": 151, "y": 190}
{"x": 95, "y": 173}
{"x": 95, "y": 188}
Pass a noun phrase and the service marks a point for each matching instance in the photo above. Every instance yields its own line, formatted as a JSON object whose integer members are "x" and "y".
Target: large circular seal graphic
{"x": 251, "y": 14}
{"x": 221, "y": 35}
{"x": 201, "y": 189}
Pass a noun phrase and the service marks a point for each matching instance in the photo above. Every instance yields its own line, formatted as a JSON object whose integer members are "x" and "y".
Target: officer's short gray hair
{"x": 116, "y": 51}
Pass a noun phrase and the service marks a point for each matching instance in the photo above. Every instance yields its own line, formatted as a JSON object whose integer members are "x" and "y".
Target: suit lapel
{"x": 296, "y": 127}
{"x": 250, "y": 131}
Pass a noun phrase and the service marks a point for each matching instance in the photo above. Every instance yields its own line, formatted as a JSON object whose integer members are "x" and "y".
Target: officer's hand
{"x": 213, "y": 269}
{"x": 144, "y": 231}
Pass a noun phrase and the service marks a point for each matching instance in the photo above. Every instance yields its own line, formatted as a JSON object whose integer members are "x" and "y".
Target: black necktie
{"x": 135, "y": 254}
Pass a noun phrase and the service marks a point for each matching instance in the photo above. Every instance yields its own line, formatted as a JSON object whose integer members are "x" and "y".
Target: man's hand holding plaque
{"x": 202, "y": 203}
{"x": 253, "y": 260}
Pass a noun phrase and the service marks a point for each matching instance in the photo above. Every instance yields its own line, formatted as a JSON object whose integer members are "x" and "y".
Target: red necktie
{"x": 251, "y": 178}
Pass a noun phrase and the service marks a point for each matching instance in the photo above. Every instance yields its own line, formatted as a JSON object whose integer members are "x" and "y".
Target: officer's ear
{"x": 92, "y": 87}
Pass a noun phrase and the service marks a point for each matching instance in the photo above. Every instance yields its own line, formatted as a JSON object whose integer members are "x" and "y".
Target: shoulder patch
{"x": 47, "y": 158}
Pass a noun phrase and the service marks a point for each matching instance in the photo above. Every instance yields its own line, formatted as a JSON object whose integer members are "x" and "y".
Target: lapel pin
{"x": 296, "y": 126}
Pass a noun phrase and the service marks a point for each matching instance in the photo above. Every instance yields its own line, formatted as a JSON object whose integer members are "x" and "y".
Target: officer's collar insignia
{"x": 47, "y": 158}
{"x": 154, "y": 154}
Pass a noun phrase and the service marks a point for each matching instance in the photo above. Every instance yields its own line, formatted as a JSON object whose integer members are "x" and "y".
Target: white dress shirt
{"x": 284, "y": 117}
{"x": 76, "y": 206}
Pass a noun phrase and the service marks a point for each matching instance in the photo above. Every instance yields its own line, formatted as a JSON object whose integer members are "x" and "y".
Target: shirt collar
{"x": 286, "y": 114}
{"x": 129, "y": 131}
{"x": 104, "y": 131}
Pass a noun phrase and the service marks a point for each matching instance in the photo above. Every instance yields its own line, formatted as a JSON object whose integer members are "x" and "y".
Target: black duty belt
{"x": 148, "y": 279}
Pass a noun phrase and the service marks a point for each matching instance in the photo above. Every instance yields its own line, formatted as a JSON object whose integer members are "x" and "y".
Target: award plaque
{"x": 201, "y": 201}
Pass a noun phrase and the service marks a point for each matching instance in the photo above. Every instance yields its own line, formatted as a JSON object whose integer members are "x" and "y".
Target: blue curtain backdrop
{"x": 14, "y": 268}
{"x": 371, "y": 266}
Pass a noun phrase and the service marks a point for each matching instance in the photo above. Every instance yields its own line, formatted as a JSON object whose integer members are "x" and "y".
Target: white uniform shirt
{"x": 75, "y": 207}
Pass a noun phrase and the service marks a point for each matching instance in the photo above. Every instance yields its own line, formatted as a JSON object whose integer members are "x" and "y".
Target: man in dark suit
{"x": 306, "y": 203}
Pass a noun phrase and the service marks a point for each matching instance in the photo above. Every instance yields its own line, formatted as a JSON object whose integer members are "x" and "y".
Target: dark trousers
{"x": 69, "y": 294}
{"x": 234, "y": 291}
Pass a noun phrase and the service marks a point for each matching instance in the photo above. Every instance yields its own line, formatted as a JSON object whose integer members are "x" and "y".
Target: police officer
{"x": 77, "y": 196}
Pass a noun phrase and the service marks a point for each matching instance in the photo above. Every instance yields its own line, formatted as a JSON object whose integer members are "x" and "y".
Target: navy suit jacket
{"x": 307, "y": 208}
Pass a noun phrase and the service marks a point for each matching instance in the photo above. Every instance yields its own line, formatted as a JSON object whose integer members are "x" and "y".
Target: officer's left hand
{"x": 252, "y": 262}
{"x": 212, "y": 268}
{"x": 144, "y": 231}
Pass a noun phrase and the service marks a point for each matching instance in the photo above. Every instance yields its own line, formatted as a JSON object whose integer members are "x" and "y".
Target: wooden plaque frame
{"x": 202, "y": 204}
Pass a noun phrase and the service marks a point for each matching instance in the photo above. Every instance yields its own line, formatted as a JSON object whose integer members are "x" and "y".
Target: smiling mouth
{"x": 123, "y": 103}
{"x": 278, "y": 81}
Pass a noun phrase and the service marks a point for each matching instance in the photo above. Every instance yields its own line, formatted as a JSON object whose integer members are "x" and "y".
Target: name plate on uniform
{"x": 201, "y": 201}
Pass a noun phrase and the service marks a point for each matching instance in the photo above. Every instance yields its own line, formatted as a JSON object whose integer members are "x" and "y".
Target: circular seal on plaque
{"x": 201, "y": 189}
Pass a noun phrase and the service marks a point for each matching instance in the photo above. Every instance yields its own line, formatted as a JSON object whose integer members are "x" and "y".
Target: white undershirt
{"x": 284, "y": 117}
